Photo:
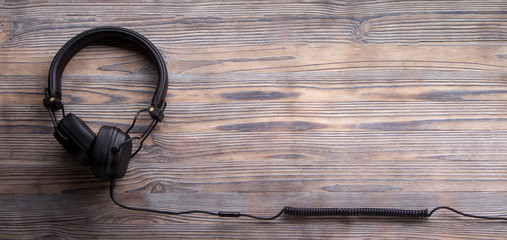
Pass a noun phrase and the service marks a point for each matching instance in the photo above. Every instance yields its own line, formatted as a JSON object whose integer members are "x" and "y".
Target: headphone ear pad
{"x": 111, "y": 154}
{"x": 76, "y": 137}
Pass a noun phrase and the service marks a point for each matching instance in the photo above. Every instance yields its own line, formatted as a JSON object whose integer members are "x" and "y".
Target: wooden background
{"x": 381, "y": 103}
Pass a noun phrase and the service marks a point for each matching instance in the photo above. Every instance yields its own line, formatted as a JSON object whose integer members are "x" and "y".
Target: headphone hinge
{"x": 156, "y": 113}
{"x": 52, "y": 103}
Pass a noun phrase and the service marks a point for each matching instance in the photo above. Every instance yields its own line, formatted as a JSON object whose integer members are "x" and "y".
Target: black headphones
{"x": 110, "y": 150}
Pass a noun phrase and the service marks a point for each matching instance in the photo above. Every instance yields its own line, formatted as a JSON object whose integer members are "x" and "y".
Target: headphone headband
{"x": 78, "y": 42}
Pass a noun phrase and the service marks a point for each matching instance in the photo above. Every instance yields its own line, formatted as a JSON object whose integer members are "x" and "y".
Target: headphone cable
{"x": 382, "y": 212}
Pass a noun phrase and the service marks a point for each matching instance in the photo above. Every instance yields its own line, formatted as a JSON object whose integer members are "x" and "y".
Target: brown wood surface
{"x": 398, "y": 104}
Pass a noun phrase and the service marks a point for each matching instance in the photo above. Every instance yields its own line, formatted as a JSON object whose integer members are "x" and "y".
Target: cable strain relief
{"x": 229, "y": 214}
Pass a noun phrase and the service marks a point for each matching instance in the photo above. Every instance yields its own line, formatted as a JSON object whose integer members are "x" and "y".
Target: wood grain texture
{"x": 382, "y": 103}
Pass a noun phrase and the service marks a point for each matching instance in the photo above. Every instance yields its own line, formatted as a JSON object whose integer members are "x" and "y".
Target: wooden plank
{"x": 258, "y": 162}
{"x": 261, "y": 22}
{"x": 75, "y": 212}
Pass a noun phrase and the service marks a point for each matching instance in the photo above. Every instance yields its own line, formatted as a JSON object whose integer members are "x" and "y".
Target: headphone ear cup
{"x": 76, "y": 137}
{"x": 111, "y": 154}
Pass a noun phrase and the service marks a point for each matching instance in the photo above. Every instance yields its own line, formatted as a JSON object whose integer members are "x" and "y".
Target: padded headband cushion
{"x": 85, "y": 38}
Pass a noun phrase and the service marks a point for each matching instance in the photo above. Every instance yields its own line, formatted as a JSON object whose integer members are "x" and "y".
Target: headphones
{"x": 108, "y": 152}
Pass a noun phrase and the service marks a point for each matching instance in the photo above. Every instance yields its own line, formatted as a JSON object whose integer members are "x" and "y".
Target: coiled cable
{"x": 382, "y": 212}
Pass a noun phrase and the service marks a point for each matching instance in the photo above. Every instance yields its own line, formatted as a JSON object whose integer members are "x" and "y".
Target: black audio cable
{"x": 294, "y": 211}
